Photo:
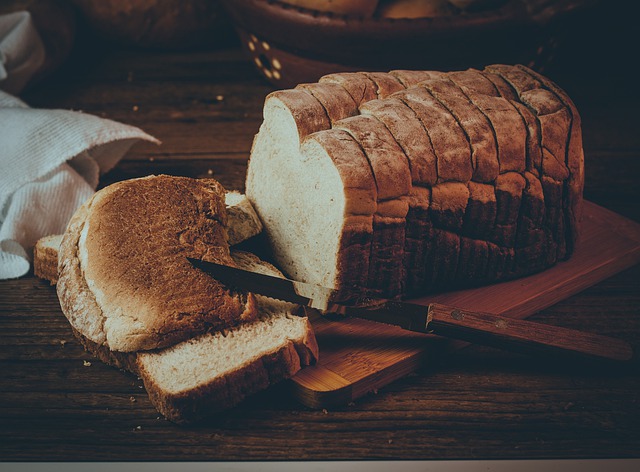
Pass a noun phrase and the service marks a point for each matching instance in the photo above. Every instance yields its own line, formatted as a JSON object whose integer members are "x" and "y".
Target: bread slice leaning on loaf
{"x": 204, "y": 375}
{"x": 415, "y": 181}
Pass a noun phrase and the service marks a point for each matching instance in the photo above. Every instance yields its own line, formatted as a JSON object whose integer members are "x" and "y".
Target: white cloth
{"x": 50, "y": 160}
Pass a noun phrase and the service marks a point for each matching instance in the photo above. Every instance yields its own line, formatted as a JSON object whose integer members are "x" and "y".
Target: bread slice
{"x": 293, "y": 171}
{"x": 203, "y": 375}
{"x": 45, "y": 258}
{"x": 124, "y": 278}
{"x": 242, "y": 220}
{"x": 392, "y": 177}
{"x": 412, "y": 137}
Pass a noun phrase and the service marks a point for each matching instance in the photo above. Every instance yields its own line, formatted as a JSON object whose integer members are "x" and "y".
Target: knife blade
{"x": 475, "y": 327}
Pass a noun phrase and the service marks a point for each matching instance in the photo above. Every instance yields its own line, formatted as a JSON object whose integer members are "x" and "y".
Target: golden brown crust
{"x": 575, "y": 157}
{"x": 138, "y": 290}
{"x": 410, "y": 134}
{"x": 76, "y": 300}
{"x": 386, "y": 84}
{"x": 393, "y": 182}
{"x": 308, "y": 113}
{"x": 476, "y": 126}
{"x": 453, "y": 153}
{"x": 409, "y": 78}
{"x": 361, "y": 88}
{"x": 336, "y": 101}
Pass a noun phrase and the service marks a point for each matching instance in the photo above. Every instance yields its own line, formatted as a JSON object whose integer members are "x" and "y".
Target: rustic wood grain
{"x": 475, "y": 403}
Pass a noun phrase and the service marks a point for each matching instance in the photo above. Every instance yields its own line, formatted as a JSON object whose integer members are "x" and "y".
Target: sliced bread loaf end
{"x": 315, "y": 194}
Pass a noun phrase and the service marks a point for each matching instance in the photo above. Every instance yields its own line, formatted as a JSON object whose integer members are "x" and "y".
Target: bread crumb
{"x": 209, "y": 171}
{"x": 132, "y": 399}
{"x": 86, "y": 363}
{"x": 63, "y": 342}
{"x": 324, "y": 411}
{"x": 220, "y": 97}
{"x": 151, "y": 159}
{"x": 135, "y": 108}
{"x": 390, "y": 441}
{"x": 138, "y": 428}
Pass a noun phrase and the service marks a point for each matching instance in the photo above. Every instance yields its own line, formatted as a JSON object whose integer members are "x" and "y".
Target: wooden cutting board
{"x": 358, "y": 356}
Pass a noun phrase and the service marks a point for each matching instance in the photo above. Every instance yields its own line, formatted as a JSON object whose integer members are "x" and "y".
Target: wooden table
{"x": 477, "y": 403}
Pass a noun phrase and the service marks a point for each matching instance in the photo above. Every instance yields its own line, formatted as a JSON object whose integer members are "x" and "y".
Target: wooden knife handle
{"x": 524, "y": 336}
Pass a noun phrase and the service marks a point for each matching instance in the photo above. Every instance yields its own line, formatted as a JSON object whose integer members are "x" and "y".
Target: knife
{"x": 476, "y": 327}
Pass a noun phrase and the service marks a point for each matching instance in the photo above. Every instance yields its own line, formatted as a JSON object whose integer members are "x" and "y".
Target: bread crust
{"x": 453, "y": 154}
{"x": 386, "y": 84}
{"x": 476, "y": 126}
{"x": 410, "y": 134}
{"x": 361, "y": 88}
{"x": 562, "y": 161}
{"x": 413, "y": 139}
{"x": 409, "y": 78}
{"x": 574, "y": 162}
{"x": 336, "y": 101}
{"x": 393, "y": 183}
{"x": 308, "y": 113}
{"x": 133, "y": 289}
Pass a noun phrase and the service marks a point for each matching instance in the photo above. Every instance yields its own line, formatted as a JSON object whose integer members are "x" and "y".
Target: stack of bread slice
{"x": 134, "y": 301}
{"x": 407, "y": 182}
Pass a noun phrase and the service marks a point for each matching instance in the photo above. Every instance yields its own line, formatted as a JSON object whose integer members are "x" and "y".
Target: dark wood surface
{"x": 56, "y": 403}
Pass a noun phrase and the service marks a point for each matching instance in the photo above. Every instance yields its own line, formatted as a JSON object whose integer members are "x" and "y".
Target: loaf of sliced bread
{"x": 473, "y": 177}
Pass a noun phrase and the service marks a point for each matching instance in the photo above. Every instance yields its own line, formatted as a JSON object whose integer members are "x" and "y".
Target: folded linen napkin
{"x": 50, "y": 160}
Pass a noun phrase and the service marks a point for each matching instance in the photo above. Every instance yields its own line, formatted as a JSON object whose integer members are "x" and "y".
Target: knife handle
{"x": 524, "y": 336}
